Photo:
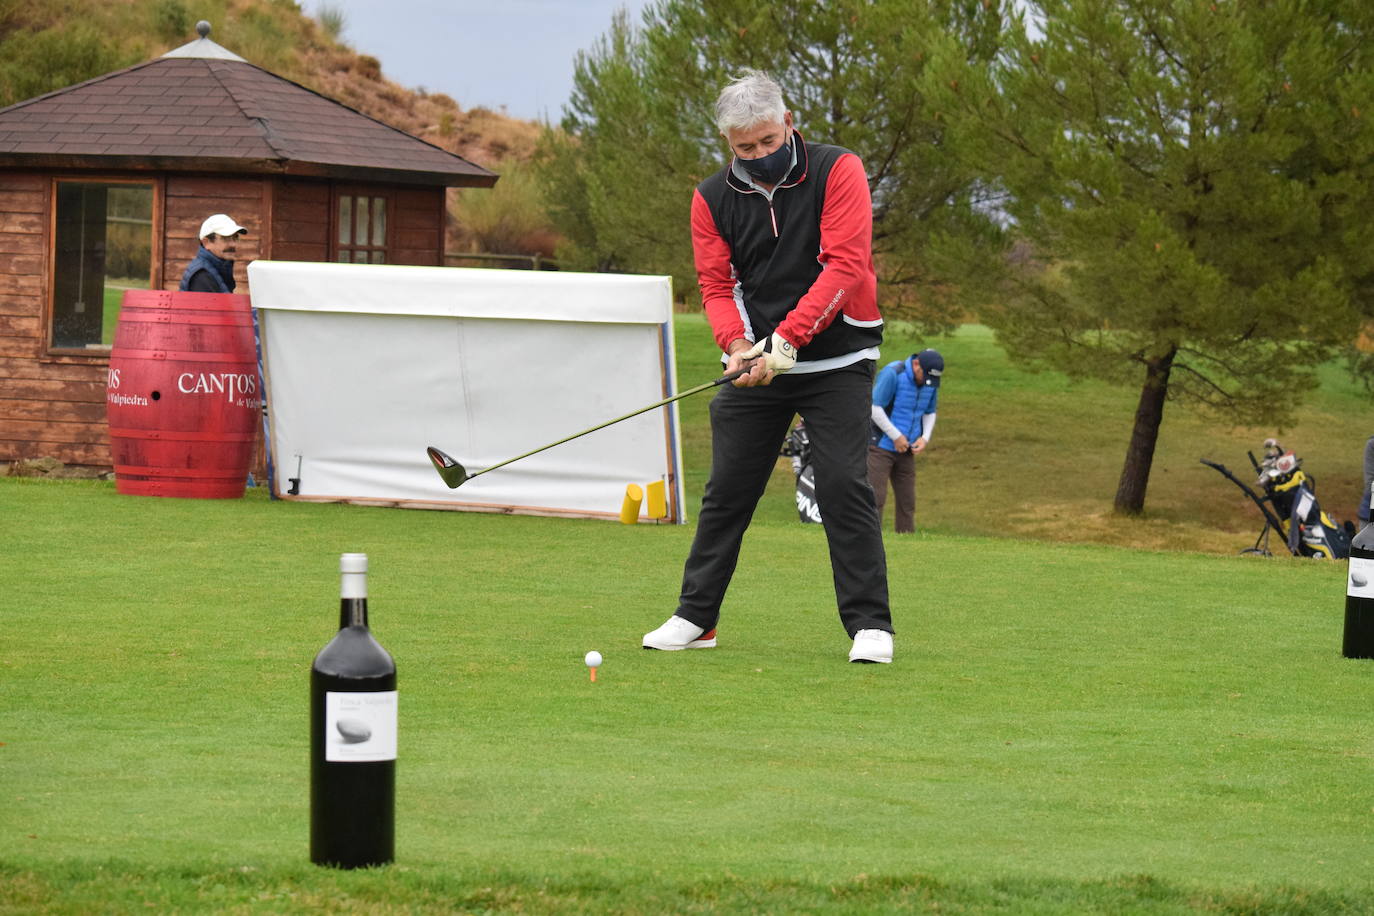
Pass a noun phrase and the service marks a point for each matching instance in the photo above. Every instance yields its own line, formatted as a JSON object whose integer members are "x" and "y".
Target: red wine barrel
{"x": 183, "y": 398}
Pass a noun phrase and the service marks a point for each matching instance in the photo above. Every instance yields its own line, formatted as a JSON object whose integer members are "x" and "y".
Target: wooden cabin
{"x": 104, "y": 185}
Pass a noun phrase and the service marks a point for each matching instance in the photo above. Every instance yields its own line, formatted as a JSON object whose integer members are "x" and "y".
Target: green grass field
{"x": 1069, "y": 726}
{"x": 1034, "y": 455}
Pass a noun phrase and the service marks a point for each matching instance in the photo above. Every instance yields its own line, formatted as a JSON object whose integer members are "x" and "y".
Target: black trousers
{"x": 748, "y": 426}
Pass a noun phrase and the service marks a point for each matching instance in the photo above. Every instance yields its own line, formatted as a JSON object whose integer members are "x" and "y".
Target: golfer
{"x": 903, "y": 414}
{"x": 783, "y": 243}
{"x": 212, "y": 269}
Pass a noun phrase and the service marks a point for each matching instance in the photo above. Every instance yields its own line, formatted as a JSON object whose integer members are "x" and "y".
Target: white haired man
{"x": 783, "y": 243}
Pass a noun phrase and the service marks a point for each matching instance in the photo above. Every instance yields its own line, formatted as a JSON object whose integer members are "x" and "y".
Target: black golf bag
{"x": 1290, "y": 508}
{"x": 797, "y": 446}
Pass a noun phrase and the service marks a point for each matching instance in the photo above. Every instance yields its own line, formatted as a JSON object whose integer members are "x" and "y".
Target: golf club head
{"x": 453, "y": 473}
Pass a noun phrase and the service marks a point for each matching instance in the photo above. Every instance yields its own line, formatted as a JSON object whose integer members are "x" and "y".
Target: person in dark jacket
{"x": 212, "y": 269}
{"x": 903, "y": 413}
{"x": 783, "y": 239}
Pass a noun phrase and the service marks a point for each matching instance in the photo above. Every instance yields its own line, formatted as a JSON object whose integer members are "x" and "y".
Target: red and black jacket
{"x": 800, "y": 264}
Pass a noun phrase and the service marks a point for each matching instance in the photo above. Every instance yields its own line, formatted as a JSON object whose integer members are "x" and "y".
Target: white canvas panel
{"x": 464, "y": 292}
{"x": 354, "y": 397}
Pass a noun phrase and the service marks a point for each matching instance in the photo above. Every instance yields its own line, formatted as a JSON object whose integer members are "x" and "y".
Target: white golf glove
{"x": 780, "y": 356}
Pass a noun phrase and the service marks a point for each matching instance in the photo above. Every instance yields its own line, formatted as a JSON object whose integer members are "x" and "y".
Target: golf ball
{"x": 593, "y": 659}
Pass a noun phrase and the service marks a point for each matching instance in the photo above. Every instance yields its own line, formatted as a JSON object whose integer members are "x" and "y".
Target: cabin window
{"x": 103, "y": 246}
{"x": 362, "y": 229}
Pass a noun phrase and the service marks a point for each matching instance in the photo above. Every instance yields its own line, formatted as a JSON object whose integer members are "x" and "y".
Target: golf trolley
{"x": 797, "y": 446}
{"x": 1287, "y": 499}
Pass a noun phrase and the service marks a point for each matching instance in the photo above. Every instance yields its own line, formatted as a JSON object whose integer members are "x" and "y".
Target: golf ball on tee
{"x": 593, "y": 659}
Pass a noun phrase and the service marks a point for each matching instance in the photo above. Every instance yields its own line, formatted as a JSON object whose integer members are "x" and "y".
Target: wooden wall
{"x": 418, "y": 236}
{"x": 188, "y": 200}
{"x": 49, "y": 404}
{"x": 54, "y": 405}
{"x": 301, "y": 220}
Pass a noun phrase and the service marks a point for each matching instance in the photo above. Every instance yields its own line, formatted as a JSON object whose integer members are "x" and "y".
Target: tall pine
{"x": 1185, "y": 198}
{"x": 639, "y": 133}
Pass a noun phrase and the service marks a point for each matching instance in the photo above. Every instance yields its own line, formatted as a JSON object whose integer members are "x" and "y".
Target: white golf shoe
{"x": 678, "y": 633}
{"x": 872, "y": 647}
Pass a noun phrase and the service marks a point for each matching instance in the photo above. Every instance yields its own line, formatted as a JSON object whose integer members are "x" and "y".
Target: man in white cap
{"x": 212, "y": 270}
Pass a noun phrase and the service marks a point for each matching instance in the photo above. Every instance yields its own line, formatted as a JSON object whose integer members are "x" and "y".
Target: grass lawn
{"x": 1036, "y": 456}
{"x": 1087, "y": 713}
{"x": 1068, "y": 728}
{"x": 113, "y": 298}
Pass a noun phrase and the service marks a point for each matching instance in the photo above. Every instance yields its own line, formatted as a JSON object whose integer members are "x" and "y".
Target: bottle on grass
{"x": 353, "y": 737}
{"x": 1358, "y": 640}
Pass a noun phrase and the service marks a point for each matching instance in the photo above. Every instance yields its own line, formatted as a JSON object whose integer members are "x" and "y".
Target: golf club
{"x": 455, "y": 475}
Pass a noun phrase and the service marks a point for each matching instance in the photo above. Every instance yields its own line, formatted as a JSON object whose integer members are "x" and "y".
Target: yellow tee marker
{"x": 629, "y": 509}
{"x": 656, "y": 504}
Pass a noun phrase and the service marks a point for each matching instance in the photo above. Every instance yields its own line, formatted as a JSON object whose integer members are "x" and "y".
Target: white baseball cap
{"x": 220, "y": 224}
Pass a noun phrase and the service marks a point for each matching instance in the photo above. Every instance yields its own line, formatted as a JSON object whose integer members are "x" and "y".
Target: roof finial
{"x": 202, "y": 47}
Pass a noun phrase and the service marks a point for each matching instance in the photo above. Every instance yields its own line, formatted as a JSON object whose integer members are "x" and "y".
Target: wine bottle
{"x": 353, "y": 737}
{"x": 1359, "y": 596}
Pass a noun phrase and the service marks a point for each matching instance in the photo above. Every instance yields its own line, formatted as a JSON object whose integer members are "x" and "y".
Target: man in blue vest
{"x": 903, "y": 415}
{"x": 212, "y": 269}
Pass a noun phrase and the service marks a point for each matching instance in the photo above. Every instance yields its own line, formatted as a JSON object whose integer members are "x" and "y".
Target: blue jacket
{"x": 219, "y": 270}
{"x": 905, "y": 402}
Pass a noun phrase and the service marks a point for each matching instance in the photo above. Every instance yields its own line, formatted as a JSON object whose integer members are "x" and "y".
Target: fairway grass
{"x": 1067, "y": 728}
{"x": 1036, "y": 455}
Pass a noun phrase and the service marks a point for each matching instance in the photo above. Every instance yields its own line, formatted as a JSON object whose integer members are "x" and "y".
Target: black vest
{"x": 774, "y": 271}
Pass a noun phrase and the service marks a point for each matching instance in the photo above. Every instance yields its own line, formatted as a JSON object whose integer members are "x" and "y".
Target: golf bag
{"x": 797, "y": 446}
{"x": 1287, "y": 499}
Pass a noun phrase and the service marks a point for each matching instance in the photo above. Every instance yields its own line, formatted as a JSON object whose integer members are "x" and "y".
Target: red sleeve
{"x": 715, "y": 274}
{"x": 847, "y": 281}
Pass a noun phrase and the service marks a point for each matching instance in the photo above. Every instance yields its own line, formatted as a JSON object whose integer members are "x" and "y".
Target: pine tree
{"x": 639, "y": 133}
{"x": 1187, "y": 198}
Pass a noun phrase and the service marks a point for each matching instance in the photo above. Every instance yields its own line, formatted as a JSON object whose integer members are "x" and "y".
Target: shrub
{"x": 332, "y": 20}
{"x": 171, "y": 20}
{"x": 33, "y": 63}
{"x": 509, "y": 218}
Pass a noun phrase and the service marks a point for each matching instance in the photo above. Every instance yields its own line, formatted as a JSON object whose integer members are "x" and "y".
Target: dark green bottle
{"x": 353, "y": 727}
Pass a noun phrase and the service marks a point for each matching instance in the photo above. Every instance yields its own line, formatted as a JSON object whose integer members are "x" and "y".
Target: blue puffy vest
{"x": 908, "y": 404}
{"x": 220, "y": 270}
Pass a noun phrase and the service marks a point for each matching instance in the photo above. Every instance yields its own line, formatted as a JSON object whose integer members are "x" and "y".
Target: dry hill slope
{"x": 50, "y": 44}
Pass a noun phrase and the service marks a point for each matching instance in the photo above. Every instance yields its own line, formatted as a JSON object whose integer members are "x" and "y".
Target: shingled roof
{"x": 202, "y": 108}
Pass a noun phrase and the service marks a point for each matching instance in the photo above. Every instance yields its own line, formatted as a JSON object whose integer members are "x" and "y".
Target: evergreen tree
{"x": 1187, "y": 187}
{"x": 639, "y": 131}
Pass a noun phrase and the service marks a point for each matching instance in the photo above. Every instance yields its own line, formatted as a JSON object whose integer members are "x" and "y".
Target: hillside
{"x": 52, "y": 44}
{"x": 49, "y": 45}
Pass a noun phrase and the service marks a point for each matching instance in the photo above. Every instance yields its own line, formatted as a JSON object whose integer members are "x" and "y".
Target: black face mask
{"x": 772, "y": 168}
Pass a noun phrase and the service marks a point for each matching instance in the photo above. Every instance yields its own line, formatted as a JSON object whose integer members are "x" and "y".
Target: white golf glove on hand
{"x": 780, "y": 357}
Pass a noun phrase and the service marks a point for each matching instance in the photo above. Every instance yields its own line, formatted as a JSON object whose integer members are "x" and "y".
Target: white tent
{"x": 366, "y": 365}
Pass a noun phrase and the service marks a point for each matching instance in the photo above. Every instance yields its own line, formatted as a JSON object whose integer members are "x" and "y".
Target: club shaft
{"x": 677, "y": 397}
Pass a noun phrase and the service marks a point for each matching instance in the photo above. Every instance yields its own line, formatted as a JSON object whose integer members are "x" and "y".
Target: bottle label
{"x": 1359, "y": 582}
{"x": 359, "y": 727}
